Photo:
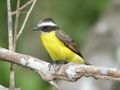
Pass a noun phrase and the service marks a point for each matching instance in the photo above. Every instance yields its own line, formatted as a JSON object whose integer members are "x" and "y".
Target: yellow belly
{"x": 57, "y": 50}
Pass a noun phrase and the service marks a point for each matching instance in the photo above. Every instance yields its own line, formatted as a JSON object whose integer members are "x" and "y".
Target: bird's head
{"x": 46, "y": 25}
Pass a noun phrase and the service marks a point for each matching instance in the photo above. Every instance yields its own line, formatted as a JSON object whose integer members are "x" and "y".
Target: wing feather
{"x": 69, "y": 43}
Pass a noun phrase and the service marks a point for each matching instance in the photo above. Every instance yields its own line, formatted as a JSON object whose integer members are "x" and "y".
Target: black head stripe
{"x": 48, "y": 20}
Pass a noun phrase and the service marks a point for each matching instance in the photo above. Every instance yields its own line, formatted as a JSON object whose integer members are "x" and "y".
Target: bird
{"x": 60, "y": 47}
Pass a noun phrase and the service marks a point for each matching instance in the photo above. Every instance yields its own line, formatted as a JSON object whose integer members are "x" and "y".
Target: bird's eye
{"x": 45, "y": 27}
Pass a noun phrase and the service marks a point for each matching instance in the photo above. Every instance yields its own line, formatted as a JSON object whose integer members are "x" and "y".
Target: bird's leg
{"x": 54, "y": 64}
{"x": 57, "y": 64}
{"x": 60, "y": 62}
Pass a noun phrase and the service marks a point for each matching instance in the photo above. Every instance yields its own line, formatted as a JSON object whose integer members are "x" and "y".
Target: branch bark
{"x": 16, "y": 24}
{"x": 11, "y": 46}
{"x": 69, "y": 72}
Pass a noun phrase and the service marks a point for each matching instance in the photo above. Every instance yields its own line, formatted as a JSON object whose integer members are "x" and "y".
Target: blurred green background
{"x": 75, "y": 17}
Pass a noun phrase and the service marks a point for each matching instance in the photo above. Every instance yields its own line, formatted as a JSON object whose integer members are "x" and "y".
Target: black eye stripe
{"x": 49, "y": 28}
{"x": 46, "y": 27}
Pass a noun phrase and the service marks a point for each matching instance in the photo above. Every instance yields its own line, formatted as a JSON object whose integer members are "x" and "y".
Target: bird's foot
{"x": 57, "y": 64}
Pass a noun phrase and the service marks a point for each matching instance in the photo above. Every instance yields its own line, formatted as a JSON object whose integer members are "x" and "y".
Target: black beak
{"x": 35, "y": 29}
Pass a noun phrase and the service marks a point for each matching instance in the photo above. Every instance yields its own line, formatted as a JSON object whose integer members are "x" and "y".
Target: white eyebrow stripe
{"x": 46, "y": 24}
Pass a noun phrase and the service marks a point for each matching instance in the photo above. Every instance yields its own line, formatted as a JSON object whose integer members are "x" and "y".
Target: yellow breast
{"x": 57, "y": 50}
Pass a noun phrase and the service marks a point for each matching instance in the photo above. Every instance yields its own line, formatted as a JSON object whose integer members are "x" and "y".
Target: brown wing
{"x": 69, "y": 43}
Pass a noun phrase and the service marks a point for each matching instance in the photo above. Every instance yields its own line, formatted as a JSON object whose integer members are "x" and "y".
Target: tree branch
{"x": 13, "y": 36}
{"x": 26, "y": 18}
{"x": 69, "y": 72}
{"x": 16, "y": 24}
{"x": 10, "y": 29}
{"x": 22, "y": 7}
{"x": 10, "y": 38}
{"x": 4, "y": 88}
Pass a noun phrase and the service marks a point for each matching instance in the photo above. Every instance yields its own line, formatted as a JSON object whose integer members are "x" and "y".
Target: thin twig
{"x": 22, "y": 7}
{"x": 10, "y": 38}
{"x": 26, "y": 18}
{"x": 16, "y": 23}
